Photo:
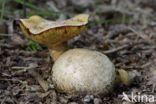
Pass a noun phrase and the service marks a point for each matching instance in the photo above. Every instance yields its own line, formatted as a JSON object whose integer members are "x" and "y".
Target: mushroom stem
{"x": 123, "y": 77}
{"x": 55, "y": 52}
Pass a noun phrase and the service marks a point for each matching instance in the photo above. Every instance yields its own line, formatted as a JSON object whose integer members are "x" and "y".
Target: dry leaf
{"x": 53, "y": 33}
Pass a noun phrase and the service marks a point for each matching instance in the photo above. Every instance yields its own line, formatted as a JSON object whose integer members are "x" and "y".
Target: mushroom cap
{"x": 53, "y": 33}
{"x": 81, "y": 71}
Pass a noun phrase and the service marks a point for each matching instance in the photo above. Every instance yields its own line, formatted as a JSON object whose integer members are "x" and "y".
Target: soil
{"x": 124, "y": 30}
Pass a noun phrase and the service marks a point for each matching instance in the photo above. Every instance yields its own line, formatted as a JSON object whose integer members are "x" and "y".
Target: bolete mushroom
{"x": 77, "y": 70}
{"x": 53, "y": 34}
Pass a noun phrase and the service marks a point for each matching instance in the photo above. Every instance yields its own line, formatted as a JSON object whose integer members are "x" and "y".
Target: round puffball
{"x": 82, "y": 71}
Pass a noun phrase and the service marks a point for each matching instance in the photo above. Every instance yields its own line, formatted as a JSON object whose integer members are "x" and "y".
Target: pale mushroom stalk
{"x": 55, "y": 52}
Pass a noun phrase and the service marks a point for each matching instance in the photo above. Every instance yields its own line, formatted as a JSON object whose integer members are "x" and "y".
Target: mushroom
{"x": 53, "y": 34}
{"x": 83, "y": 71}
{"x": 80, "y": 71}
{"x": 76, "y": 70}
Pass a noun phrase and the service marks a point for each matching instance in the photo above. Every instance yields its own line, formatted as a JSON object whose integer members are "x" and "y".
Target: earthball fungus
{"x": 83, "y": 71}
{"x": 76, "y": 70}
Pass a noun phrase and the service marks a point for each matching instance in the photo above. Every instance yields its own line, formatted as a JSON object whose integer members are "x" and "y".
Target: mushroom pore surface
{"x": 80, "y": 71}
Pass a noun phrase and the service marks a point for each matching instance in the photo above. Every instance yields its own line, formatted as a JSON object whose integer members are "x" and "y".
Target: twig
{"x": 24, "y": 9}
{"x": 3, "y": 101}
{"x": 115, "y": 49}
{"x": 6, "y": 45}
{"x": 153, "y": 87}
{"x": 5, "y": 35}
{"x": 24, "y": 69}
{"x": 3, "y": 8}
{"x": 40, "y": 80}
{"x": 12, "y": 79}
{"x": 141, "y": 35}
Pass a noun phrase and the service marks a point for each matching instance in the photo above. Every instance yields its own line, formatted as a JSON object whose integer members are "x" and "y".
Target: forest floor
{"x": 124, "y": 30}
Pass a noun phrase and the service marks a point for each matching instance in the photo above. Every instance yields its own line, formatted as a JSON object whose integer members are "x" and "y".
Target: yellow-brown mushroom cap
{"x": 53, "y": 33}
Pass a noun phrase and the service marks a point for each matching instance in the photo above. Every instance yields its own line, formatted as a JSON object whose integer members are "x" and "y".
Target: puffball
{"x": 82, "y": 71}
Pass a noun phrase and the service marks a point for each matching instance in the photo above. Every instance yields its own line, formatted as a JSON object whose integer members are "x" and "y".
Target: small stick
{"x": 40, "y": 80}
{"x": 115, "y": 49}
{"x": 22, "y": 69}
{"x": 24, "y": 9}
{"x": 141, "y": 35}
{"x": 5, "y": 35}
{"x": 153, "y": 87}
{"x": 3, "y": 9}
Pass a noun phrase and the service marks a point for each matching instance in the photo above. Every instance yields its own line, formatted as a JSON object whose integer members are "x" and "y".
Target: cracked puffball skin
{"x": 80, "y": 71}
